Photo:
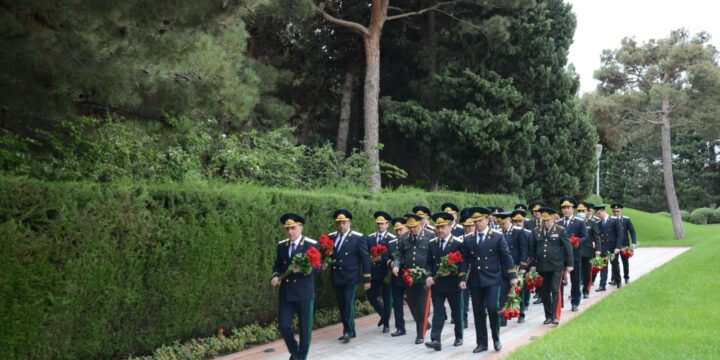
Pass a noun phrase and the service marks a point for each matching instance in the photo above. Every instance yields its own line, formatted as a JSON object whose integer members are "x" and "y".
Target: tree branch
{"x": 422, "y": 11}
{"x": 350, "y": 25}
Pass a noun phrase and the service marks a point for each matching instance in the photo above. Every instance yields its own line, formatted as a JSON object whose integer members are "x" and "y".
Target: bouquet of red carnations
{"x": 304, "y": 263}
{"x": 378, "y": 250}
{"x": 532, "y": 280}
{"x": 575, "y": 241}
{"x": 327, "y": 245}
{"x": 626, "y": 252}
{"x": 448, "y": 264}
{"x": 412, "y": 276}
{"x": 512, "y": 307}
{"x": 597, "y": 264}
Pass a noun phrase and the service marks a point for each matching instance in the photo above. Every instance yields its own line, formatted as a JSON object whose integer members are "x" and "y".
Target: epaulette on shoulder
{"x": 392, "y": 241}
{"x": 310, "y": 240}
{"x": 497, "y": 231}
{"x": 357, "y": 233}
{"x": 626, "y": 217}
{"x": 458, "y": 238}
{"x": 527, "y": 230}
{"x": 333, "y": 233}
{"x": 391, "y": 236}
{"x": 433, "y": 239}
{"x": 283, "y": 241}
{"x": 576, "y": 218}
{"x": 373, "y": 234}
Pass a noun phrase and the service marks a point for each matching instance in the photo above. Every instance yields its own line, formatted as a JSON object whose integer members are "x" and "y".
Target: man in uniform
{"x": 469, "y": 229}
{"x": 488, "y": 259}
{"x": 412, "y": 252}
{"x": 493, "y": 222}
{"x": 447, "y": 285}
{"x": 350, "y": 254}
{"x": 520, "y": 253}
{"x": 551, "y": 254}
{"x": 452, "y": 209}
{"x": 396, "y": 283}
{"x": 587, "y": 249}
{"x": 535, "y": 221}
{"x": 573, "y": 227}
{"x": 518, "y": 250}
{"x": 380, "y": 268}
{"x": 628, "y": 233}
{"x": 610, "y": 242}
{"x": 424, "y": 213}
{"x": 524, "y": 209}
{"x": 297, "y": 291}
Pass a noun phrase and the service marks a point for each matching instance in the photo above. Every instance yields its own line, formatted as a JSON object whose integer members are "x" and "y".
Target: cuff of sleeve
{"x": 511, "y": 271}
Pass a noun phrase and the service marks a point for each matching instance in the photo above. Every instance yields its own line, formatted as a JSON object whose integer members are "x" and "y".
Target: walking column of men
{"x": 495, "y": 247}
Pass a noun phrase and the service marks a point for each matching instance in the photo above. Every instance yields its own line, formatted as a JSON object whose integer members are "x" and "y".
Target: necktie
{"x": 292, "y": 250}
{"x": 442, "y": 245}
{"x": 379, "y": 238}
{"x": 339, "y": 243}
{"x": 567, "y": 222}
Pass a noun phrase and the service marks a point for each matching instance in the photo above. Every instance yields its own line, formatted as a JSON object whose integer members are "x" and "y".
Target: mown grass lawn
{"x": 671, "y": 313}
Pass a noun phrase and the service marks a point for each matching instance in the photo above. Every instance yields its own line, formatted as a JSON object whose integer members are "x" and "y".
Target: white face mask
{"x": 580, "y": 216}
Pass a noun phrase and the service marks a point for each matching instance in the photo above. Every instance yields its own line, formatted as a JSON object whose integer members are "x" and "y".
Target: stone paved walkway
{"x": 371, "y": 343}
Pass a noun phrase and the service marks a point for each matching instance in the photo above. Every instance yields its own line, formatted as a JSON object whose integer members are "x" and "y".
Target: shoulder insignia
{"x": 283, "y": 241}
{"x": 391, "y": 236}
{"x": 433, "y": 239}
{"x": 527, "y": 231}
{"x": 310, "y": 240}
{"x": 458, "y": 238}
{"x": 333, "y": 233}
{"x": 392, "y": 241}
{"x": 373, "y": 234}
{"x": 357, "y": 233}
{"x": 626, "y": 217}
{"x": 497, "y": 231}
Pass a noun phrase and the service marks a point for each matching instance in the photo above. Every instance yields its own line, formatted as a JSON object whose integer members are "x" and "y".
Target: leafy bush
{"x": 685, "y": 215}
{"x": 701, "y": 215}
{"x": 716, "y": 216}
{"x": 111, "y": 150}
{"x": 92, "y": 270}
{"x": 595, "y": 199}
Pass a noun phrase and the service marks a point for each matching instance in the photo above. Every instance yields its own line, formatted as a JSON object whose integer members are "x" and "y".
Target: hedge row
{"x": 103, "y": 271}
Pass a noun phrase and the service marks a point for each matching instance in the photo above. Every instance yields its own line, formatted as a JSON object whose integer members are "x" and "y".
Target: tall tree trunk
{"x": 670, "y": 193}
{"x": 345, "y": 110}
{"x": 372, "y": 116}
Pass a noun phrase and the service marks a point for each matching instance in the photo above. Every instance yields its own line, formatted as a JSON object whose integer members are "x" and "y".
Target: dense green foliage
{"x": 641, "y": 321}
{"x": 96, "y": 271}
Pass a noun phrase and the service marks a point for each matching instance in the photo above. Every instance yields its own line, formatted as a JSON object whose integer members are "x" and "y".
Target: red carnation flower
{"x": 314, "y": 255}
{"x": 455, "y": 257}
{"x": 575, "y": 241}
{"x": 378, "y": 250}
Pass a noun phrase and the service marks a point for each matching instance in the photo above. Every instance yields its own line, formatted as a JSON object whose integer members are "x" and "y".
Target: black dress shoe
{"x": 627, "y": 280}
{"x": 556, "y": 322}
{"x": 585, "y": 295}
{"x": 433, "y": 345}
{"x": 612, "y": 283}
{"x": 521, "y": 319}
{"x": 574, "y": 308}
{"x": 497, "y": 345}
{"x": 547, "y": 321}
{"x": 538, "y": 301}
{"x": 380, "y": 323}
{"x": 398, "y": 333}
{"x": 601, "y": 288}
{"x": 418, "y": 341}
{"x": 353, "y": 336}
{"x": 619, "y": 285}
{"x": 480, "y": 348}
{"x": 458, "y": 342}
{"x": 345, "y": 338}
{"x": 386, "y": 329}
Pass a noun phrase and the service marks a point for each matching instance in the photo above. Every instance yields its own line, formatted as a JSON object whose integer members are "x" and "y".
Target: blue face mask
{"x": 581, "y": 216}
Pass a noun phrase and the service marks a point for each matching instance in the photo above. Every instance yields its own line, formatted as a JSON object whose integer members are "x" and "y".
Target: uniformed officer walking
{"x": 610, "y": 241}
{"x": 552, "y": 255}
{"x": 574, "y": 227}
{"x": 396, "y": 283}
{"x": 448, "y": 284}
{"x": 488, "y": 258}
{"x": 469, "y": 229}
{"x": 297, "y": 291}
{"x": 424, "y": 213}
{"x": 412, "y": 252}
{"x": 350, "y": 254}
{"x": 452, "y": 209}
{"x": 627, "y": 232}
{"x": 519, "y": 242}
{"x": 535, "y": 205}
{"x": 587, "y": 249}
{"x": 380, "y": 268}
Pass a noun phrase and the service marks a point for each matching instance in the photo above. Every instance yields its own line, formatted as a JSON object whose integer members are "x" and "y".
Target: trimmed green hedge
{"x": 701, "y": 216}
{"x": 103, "y": 271}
